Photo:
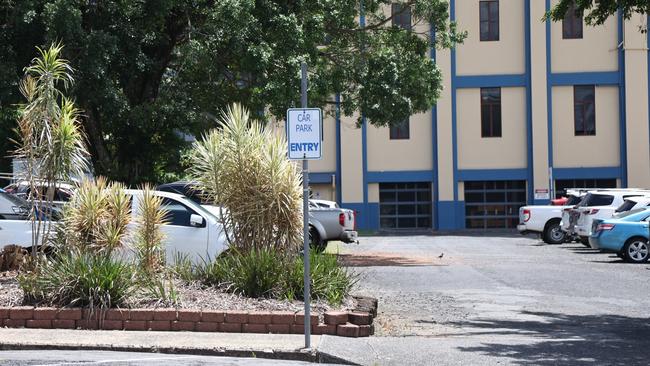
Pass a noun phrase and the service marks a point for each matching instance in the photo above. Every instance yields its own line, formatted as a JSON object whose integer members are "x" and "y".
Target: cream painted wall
{"x": 445, "y": 176}
{"x": 328, "y": 161}
{"x": 351, "y": 162}
{"x": 505, "y": 56}
{"x": 596, "y": 51}
{"x": 601, "y": 150}
{"x": 414, "y": 153}
{"x": 636, "y": 104}
{"x": 505, "y": 152}
{"x": 538, "y": 94}
{"x": 373, "y": 192}
{"x": 323, "y": 192}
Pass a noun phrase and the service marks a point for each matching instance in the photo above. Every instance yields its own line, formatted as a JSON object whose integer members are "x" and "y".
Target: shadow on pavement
{"x": 386, "y": 259}
{"x": 559, "y": 339}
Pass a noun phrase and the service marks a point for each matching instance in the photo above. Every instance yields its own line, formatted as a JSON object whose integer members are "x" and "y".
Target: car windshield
{"x": 595, "y": 199}
{"x": 573, "y": 200}
{"x": 632, "y": 212}
{"x": 15, "y": 200}
{"x": 626, "y": 206}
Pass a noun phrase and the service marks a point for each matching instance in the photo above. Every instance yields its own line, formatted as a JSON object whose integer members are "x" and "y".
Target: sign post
{"x": 304, "y": 135}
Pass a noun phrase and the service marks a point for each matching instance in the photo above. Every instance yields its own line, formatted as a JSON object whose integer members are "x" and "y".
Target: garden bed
{"x": 197, "y": 309}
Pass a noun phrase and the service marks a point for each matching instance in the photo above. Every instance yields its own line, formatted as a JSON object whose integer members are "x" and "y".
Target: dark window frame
{"x": 491, "y": 117}
{"x": 401, "y": 131}
{"x": 486, "y": 18}
{"x": 584, "y": 122}
{"x": 572, "y": 27}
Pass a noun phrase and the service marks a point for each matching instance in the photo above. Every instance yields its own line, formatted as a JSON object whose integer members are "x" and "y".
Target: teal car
{"x": 625, "y": 234}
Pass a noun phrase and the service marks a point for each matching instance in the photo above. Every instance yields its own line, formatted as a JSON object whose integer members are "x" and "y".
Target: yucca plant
{"x": 243, "y": 168}
{"x": 51, "y": 142}
{"x": 148, "y": 239}
{"x": 96, "y": 218}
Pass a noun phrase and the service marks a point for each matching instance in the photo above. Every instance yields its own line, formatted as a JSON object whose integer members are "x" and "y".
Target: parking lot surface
{"x": 500, "y": 300}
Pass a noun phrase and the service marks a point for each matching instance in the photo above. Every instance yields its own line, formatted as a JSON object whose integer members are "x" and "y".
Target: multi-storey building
{"x": 528, "y": 108}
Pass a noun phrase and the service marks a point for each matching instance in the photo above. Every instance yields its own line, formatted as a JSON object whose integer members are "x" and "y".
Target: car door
{"x": 180, "y": 234}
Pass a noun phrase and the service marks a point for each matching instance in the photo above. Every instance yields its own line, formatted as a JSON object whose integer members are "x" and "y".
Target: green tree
{"x": 596, "y": 12}
{"x": 148, "y": 72}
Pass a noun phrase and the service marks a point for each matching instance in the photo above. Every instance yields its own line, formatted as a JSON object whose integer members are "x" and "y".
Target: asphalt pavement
{"x": 443, "y": 300}
{"x": 488, "y": 300}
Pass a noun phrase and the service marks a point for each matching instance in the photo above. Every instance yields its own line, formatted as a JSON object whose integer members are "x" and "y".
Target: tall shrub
{"x": 242, "y": 167}
{"x": 51, "y": 142}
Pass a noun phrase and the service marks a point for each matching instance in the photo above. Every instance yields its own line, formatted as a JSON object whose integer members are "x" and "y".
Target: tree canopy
{"x": 596, "y": 12}
{"x": 149, "y": 73}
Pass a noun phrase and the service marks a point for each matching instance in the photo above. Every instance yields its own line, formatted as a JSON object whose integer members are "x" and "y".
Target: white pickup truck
{"x": 545, "y": 220}
{"x": 191, "y": 229}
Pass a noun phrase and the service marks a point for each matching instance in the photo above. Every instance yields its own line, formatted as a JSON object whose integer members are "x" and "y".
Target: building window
{"x": 401, "y": 16}
{"x": 400, "y": 131}
{"x": 572, "y": 24}
{"x": 490, "y": 112}
{"x": 489, "y": 14}
{"x": 584, "y": 110}
{"x": 405, "y": 205}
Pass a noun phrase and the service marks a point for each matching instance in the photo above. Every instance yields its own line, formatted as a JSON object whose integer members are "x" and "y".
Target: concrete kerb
{"x": 249, "y": 346}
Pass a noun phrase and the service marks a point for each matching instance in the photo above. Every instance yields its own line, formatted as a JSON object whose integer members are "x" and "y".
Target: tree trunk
{"x": 94, "y": 132}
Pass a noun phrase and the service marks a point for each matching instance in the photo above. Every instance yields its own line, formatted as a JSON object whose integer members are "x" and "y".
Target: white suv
{"x": 599, "y": 204}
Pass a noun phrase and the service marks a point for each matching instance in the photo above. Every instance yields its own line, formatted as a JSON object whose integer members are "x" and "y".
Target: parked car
{"x": 545, "y": 219}
{"x": 632, "y": 203}
{"x": 330, "y": 223}
{"x": 59, "y": 194}
{"x": 327, "y": 221}
{"x": 191, "y": 229}
{"x": 597, "y": 204}
{"x": 626, "y": 235}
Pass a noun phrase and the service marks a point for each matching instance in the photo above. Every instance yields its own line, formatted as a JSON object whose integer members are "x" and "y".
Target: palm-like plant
{"x": 244, "y": 169}
{"x": 148, "y": 240}
{"x": 51, "y": 141}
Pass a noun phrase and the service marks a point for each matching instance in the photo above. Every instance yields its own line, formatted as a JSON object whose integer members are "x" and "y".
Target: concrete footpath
{"x": 272, "y": 346}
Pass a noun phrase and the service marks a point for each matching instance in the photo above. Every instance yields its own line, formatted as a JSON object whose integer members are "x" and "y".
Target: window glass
{"x": 593, "y": 199}
{"x": 490, "y": 112}
{"x": 584, "y": 108}
{"x": 489, "y": 20}
{"x": 572, "y": 24}
{"x": 400, "y": 131}
{"x": 179, "y": 214}
{"x": 626, "y": 206}
{"x": 401, "y": 16}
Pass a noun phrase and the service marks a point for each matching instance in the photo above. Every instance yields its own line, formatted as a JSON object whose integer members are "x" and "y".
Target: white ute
{"x": 545, "y": 219}
{"x": 191, "y": 229}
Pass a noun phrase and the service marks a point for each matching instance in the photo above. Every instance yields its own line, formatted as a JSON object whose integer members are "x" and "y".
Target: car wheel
{"x": 553, "y": 233}
{"x": 636, "y": 250}
{"x": 585, "y": 241}
{"x": 315, "y": 242}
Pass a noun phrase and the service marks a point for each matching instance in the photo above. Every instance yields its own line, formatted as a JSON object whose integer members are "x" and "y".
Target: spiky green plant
{"x": 97, "y": 217}
{"x": 148, "y": 239}
{"x": 51, "y": 142}
{"x": 243, "y": 168}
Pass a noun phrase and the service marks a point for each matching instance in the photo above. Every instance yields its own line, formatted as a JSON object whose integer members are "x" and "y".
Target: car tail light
{"x": 354, "y": 220}
{"x": 342, "y": 219}
{"x": 593, "y": 211}
{"x": 603, "y": 227}
{"x": 526, "y": 215}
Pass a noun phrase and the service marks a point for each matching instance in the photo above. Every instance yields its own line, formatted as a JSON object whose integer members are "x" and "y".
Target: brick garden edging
{"x": 341, "y": 323}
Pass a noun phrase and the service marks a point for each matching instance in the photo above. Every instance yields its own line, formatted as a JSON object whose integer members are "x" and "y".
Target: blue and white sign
{"x": 304, "y": 133}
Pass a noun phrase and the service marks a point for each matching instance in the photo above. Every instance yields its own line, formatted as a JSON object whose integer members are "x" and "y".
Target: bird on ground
{"x": 441, "y": 255}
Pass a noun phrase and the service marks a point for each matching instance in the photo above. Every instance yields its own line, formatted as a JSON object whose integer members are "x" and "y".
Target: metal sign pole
{"x": 305, "y": 211}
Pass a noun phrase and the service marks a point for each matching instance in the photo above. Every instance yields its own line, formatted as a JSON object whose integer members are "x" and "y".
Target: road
{"x": 88, "y": 358}
{"x": 498, "y": 300}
